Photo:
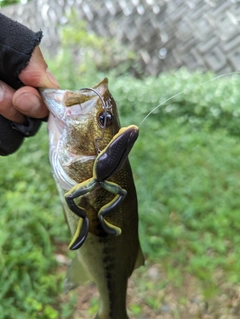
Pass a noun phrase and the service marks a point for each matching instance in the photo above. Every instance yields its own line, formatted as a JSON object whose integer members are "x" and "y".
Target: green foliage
{"x": 188, "y": 183}
{"x": 31, "y": 223}
{"x": 87, "y": 56}
{"x": 4, "y": 3}
{"x": 194, "y": 98}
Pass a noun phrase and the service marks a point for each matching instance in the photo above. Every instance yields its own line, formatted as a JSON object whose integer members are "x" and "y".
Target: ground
{"x": 150, "y": 296}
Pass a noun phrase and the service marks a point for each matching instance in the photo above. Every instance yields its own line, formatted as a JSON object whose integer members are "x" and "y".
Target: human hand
{"x": 26, "y": 101}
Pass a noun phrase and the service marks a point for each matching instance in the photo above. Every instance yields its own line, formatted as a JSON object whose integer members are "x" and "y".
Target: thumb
{"x": 36, "y": 73}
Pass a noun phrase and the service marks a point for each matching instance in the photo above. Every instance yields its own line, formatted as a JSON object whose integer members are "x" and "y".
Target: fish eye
{"x": 101, "y": 119}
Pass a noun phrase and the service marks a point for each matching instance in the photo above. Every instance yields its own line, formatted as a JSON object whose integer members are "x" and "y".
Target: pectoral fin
{"x": 76, "y": 274}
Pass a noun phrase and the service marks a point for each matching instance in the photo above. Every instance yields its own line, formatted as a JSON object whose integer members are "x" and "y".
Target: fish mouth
{"x": 53, "y": 98}
{"x": 62, "y": 103}
{"x": 57, "y": 102}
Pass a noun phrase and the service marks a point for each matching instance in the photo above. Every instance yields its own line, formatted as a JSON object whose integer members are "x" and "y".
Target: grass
{"x": 31, "y": 224}
{"x": 188, "y": 183}
{"x": 186, "y": 165}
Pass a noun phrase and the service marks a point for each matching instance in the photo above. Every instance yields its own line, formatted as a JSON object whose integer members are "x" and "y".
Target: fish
{"x": 84, "y": 129}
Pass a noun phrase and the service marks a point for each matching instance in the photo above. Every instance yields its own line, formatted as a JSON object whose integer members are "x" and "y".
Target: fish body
{"x": 75, "y": 133}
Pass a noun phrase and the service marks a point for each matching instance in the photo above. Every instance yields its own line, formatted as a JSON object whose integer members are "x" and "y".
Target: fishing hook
{"x": 105, "y": 117}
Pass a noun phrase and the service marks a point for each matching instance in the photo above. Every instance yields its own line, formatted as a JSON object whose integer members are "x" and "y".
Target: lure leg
{"x": 120, "y": 195}
{"x": 77, "y": 191}
{"x": 80, "y": 234}
{"x": 83, "y": 224}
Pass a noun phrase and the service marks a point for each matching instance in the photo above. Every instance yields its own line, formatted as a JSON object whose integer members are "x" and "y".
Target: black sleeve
{"x": 17, "y": 43}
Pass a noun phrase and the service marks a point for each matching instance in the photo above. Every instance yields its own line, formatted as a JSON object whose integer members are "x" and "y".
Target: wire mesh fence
{"x": 165, "y": 34}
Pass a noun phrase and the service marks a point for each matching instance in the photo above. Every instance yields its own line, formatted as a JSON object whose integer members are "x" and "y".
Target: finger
{"x": 28, "y": 101}
{"x": 7, "y": 108}
{"x": 36, "y": 73}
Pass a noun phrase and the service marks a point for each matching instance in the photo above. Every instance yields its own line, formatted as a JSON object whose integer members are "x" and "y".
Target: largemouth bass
{"x": 84, "y": 130}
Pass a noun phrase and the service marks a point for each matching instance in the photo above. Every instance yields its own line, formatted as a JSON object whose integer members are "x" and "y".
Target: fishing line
{"x": 185, "y": 91}
{"x": 105, "y": 116}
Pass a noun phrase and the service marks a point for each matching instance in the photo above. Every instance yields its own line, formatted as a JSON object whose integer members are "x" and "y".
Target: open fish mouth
{"x": 62, "y": 103}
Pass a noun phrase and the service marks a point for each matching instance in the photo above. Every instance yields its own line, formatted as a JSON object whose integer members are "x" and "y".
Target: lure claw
{"x": 109, "y": 228}
{"x": 120, "y": 195}
{"x": 80, "y": 235}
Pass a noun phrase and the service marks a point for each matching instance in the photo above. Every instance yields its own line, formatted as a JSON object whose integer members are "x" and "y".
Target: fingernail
{"x": 52, "y": 78}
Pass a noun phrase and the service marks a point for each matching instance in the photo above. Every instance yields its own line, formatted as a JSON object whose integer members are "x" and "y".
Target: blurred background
{"x": 163, "y": 34}
{"x": 176, "y": 55}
